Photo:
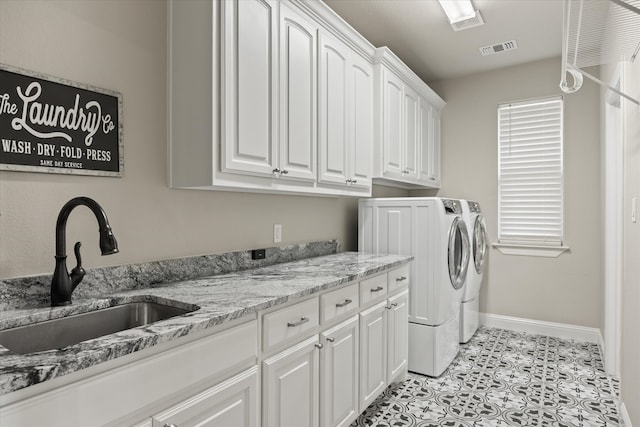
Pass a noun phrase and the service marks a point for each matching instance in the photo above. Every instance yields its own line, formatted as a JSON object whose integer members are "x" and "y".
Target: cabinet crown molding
{"x": 385, "y": 56}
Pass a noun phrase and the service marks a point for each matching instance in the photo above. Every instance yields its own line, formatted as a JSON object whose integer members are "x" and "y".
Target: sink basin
{"x": 59, "y": 333}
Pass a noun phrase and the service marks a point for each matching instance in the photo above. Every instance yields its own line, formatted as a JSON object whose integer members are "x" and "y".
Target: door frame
{"x": 613, "y": 216}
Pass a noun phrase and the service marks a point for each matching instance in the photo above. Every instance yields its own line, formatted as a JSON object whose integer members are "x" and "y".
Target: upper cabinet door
{"x": 425, "y": 147}
{"x": 332, "y": 117}
{"x": 435, "y": 147}
{"x": 411, "y": 132}
{"x": 249, "y": 79}
{"x": 361, "y": 121}
{"x": 297, "y": 96}
{"x": 392, "y": 117}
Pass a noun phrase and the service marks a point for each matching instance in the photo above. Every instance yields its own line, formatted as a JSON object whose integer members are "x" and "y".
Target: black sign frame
{"x": 53, "y": 125}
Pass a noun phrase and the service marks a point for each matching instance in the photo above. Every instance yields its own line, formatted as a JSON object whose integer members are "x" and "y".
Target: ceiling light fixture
{"x": 458, "y": 10}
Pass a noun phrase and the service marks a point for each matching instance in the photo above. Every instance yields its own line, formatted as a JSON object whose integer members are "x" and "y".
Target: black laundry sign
{"x": 56, "y": 126}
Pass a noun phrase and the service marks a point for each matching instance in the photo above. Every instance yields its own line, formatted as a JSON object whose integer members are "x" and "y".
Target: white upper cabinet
{"x": 249, "y": 77}
{"x": 429, "y": 173}
{"x": 332, "y": 117}
{"x": 406, "y": 109}
{"x": 361, "y": 121}
{"x": 411, "y": 133}
{"x": 298, "y": 85}
{"x": 258, "y": 103}
{"x": 345, "y": 114}
{"x": 282, "y": 96}
{"x": 392, "y": 126}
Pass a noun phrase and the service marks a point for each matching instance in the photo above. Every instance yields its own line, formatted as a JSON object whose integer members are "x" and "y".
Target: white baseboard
{"x": 624, "y": 416}
{"x": 557, "y": 330}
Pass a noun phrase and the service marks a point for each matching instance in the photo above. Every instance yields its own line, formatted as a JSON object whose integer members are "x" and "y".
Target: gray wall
{"x": 566, "y": 289}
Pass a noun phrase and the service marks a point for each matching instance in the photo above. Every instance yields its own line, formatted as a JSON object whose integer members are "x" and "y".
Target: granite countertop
{"x": 220, "y": 298}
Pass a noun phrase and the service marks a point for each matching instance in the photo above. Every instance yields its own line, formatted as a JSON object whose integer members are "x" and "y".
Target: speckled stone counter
{"x": 219, "y": 299}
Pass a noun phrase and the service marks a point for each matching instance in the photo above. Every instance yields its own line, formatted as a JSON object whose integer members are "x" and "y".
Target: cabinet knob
{"x": 284, "y": 171}
{"x": 331, "y": 339}
{"x": 276, "y": 170}
{"x": 348, "y": 181}
{"x": 319, "y": 346}
{"x": 354, "y": 181}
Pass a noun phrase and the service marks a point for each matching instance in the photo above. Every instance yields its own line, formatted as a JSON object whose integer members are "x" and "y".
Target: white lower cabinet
{"x": 383, "y": 346}
{"x": 339, "y": 363}
{"x": 233, "y": 403}
{"x": 290, "y": 386}
{"x": 373, "y": 353}
{"x": 397, "y": 336}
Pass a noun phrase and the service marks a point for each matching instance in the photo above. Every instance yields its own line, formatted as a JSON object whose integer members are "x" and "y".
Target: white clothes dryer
{"x": 470, "y": 307}
{"x": 433, "y": 230}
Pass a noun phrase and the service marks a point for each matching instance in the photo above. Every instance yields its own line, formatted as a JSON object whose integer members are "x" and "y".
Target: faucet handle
{"x": 78, "y": 272}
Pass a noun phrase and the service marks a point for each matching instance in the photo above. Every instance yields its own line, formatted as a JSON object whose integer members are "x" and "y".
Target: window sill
{"x": 530, "y": 250}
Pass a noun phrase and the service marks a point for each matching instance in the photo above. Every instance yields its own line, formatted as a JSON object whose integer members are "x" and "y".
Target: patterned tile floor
{"x": 505, "y": 378}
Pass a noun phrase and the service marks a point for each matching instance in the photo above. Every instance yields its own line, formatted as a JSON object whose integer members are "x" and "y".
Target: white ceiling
{"x": 419, "y": 33}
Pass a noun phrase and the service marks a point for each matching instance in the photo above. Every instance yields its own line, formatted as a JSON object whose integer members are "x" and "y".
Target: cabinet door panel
{"x": 411, "y": 133}
{"x": 398, "y": 329}
{"x": 373, "y": 353}
{"x": 434, "y": 144}
{"x": 234, "y": 403}
{"x": 393, "y": 123}
{"x": 361, "y": 121}
{"x": 332, "y": 118}
{"x": 298, "y": 95}
{"x": 249, "y": 78}
{"x": 291, "y": 387}
{"x": 424, "y": 146}
{"x": 339, "y": 370}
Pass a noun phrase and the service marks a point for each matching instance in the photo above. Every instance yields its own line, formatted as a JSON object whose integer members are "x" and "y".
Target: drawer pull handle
{"x": 344, "y": 304}
{"x": 395, "y": 304}
{"x": 331, "y": 339}
{"x": 378, "y": 289}
{"x": 401, "y": 278}
{"x": 298, "y": 323}
{"x": 388, "y": 307}
{"x": 319, "y": 346}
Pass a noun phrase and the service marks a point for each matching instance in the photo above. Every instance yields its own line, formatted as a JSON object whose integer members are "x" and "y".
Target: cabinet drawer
{"x": 289, "y": 323}
{"x": 339, "y": 302}
{"x": 373, "y": 289}
{"x": 399, "y": 277}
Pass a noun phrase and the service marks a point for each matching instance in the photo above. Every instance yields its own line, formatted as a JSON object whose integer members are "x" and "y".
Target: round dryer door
{"x": 479, "y": 243}
{"x": 458, "y": 253}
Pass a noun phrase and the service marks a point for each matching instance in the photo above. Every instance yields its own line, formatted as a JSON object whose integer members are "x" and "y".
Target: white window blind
{"x": 530, "y": 172}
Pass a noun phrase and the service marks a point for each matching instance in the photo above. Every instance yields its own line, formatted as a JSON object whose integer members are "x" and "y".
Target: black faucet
{"x": 63, "y": 284}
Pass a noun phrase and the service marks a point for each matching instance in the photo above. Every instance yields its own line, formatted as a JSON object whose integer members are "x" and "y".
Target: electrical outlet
{"x": 277, "y": 233}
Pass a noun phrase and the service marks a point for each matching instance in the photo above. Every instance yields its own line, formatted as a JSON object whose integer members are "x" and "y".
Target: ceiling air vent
{"x": 468, "y": 23}
{"x": 499, "y": 48}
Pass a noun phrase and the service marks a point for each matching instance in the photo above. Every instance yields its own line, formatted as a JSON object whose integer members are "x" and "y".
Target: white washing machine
{"x": 433, "y": 230}
{"x": 470, "y": 307}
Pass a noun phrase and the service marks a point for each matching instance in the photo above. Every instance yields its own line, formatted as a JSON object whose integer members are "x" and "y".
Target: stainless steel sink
{"x": 59, "y": 333}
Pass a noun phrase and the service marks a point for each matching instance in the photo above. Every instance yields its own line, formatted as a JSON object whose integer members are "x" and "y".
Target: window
{"x": 530, "y": 173}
